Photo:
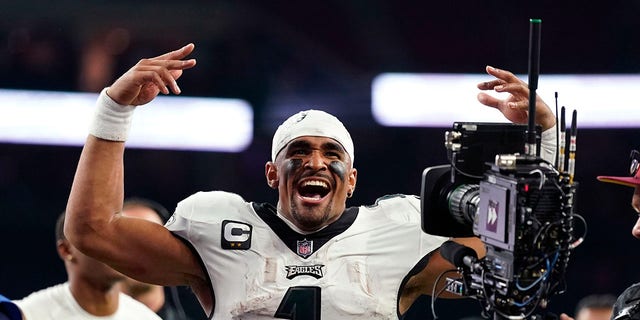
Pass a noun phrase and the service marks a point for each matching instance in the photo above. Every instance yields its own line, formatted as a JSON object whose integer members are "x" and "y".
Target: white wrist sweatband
{"x": 111, "y": 121}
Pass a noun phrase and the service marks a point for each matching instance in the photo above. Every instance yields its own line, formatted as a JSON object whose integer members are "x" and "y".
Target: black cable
{"x": 468, "y": 175}
{"x": 433, "y": 291}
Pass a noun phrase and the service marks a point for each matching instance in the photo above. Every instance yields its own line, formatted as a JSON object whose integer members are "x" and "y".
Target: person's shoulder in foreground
{"x": 9, "y": 310}
{"x": 627, "y": 305}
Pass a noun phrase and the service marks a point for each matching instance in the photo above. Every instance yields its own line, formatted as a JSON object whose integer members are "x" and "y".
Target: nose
{"x": 635, "y": 231}
{"x": 635, "y": 201}
{"x": 316, "y": 161}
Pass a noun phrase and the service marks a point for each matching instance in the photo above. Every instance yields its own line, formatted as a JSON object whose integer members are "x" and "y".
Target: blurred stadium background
{"x": 282, "y": 56}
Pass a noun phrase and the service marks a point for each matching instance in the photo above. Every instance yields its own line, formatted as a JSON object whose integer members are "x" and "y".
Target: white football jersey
{"x": 260, "y": 268}
{"x": 57, "y": 302}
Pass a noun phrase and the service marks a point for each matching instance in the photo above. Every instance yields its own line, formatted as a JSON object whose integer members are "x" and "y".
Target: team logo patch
{"x": 302, "y": 116}
{"x": 313, "y": 270}
{"x": 171, "y": 220}
{"x": 236, "y": 235}
{"x": 304, "y": 248}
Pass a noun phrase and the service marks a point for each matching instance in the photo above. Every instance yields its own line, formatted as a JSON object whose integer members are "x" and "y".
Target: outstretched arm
{"x": 141, "y": 249}
{"x": 423, "y": 282}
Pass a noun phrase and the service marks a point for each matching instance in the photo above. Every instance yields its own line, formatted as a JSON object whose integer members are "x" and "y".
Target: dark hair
{"x": 596, "y": 301}
{"x": 147, "y": 203}
{"x": 60, "y": 228}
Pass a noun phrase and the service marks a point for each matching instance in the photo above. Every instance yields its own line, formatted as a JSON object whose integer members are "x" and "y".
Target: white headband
{"x": 311, "y": 123}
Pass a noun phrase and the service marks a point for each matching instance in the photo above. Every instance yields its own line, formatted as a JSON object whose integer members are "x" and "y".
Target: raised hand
{"x": 142, "y": 83}
{"x": 516, "y": 106}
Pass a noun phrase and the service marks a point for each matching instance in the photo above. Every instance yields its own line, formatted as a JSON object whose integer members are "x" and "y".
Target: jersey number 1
{"x": 300, "y": 303}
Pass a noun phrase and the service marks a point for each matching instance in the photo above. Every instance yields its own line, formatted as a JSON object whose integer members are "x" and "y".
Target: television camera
{"x": 522, "y": 207}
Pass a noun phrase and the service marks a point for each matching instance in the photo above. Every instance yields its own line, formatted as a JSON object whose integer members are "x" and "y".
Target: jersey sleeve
{"x": 405, "y": 211}
{"x": 202, "y": 208}
{"x": 548, "y": 144}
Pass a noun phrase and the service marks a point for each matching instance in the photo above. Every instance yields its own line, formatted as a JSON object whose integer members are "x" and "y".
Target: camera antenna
{"x": 534, "y": 71}
{"x": 572, "y": 145}
{"x": 563, "y": 141}
{"x": 557, "y": 131}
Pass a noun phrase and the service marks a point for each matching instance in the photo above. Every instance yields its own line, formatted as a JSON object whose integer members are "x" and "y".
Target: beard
{"x": 311, "y": 218}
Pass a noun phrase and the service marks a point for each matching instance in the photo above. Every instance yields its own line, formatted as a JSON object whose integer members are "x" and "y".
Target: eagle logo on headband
{"x": 302, "y": 116}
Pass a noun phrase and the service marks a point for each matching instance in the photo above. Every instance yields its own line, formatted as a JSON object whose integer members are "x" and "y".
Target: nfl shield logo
{"x": 305, "y": 248}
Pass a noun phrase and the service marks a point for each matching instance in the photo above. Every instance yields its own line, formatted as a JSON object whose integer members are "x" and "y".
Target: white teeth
{"x": 315, "y": 183}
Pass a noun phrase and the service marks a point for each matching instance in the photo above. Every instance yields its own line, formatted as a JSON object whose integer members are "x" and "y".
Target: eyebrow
{"x": 333, "y": 146}
{"x": 299, "y": 144}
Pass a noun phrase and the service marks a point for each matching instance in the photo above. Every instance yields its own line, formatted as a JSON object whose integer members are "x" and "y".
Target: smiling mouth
{"x": 313, "y": 190}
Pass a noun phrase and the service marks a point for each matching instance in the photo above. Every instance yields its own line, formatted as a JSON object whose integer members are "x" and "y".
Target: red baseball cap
{"x": 633, "y": 180}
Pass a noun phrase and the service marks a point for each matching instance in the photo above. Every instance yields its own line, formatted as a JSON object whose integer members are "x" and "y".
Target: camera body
{"x": 519, "y": 206}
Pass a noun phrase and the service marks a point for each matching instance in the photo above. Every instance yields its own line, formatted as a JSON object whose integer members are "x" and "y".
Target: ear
{"x": 271, "y": 173}
{"x": 353, "y": 177}
{"x": 64, "y": 250}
